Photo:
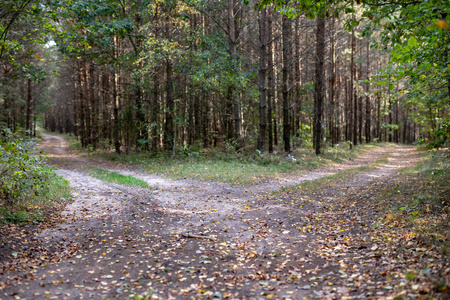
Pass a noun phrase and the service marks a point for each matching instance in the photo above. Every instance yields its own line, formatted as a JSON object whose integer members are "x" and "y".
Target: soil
{"x": 194, "y": 239}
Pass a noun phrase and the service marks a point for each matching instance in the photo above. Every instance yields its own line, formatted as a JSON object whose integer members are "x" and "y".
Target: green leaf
{"x": 404, "y": 207}
{"x": 412, "y": 42}
{"x": 410, "y": 275}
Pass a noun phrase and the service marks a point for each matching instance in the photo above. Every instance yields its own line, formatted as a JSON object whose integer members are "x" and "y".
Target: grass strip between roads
{"x": 115, "y": 177}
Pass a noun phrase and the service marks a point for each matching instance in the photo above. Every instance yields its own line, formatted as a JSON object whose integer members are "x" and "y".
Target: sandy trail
{"x": 117, "y": 241}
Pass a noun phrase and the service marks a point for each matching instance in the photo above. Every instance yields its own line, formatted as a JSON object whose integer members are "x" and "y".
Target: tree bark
{"x": 232, "y": 98}
{"x": 286, "y": 24}
{"x": 368, "y": 126}
{"x": 28, "y": 125}
{"x": 262, "y": 81}
{"x": 271, "y": 79}
{"x": 318, "y": 86}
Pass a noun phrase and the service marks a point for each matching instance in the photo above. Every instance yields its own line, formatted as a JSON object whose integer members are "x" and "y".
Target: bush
{"x": 26, "y": 181}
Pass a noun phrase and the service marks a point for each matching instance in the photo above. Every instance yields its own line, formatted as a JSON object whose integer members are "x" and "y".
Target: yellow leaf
{"x": 441, "y": 24}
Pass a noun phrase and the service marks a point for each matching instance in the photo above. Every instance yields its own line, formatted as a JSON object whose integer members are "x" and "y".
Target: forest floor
{"x": 195, "y": 239}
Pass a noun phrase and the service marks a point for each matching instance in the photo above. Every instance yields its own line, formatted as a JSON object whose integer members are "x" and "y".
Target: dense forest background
{"x": 188, "y": 74}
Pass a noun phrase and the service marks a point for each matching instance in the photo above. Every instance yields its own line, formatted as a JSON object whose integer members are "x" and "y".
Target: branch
{"x": 391, "y": 2}
{"x": 196, "y": 236}
{"x": 14, "y": 17}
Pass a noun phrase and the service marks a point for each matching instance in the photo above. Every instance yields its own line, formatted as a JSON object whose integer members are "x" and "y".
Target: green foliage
{"x": 417, "y": 36}
{"x": 27, "y": 184}
{"x": 441, "y": 136}
{"x": 24, "y": 175}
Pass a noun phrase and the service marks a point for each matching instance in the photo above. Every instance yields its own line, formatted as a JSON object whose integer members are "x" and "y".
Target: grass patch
{"x": 115, "y": 177}
{"x": 225, "y": 165}
{"x": 238, "y": 168}
{"x": 38, "y": 209}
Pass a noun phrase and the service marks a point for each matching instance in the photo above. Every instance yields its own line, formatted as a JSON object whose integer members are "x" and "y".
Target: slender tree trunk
{"x": 353, "y": 91}
{"x": 87, "y": 113}
{"x": 75, "y": 104}
{"x": 93, "y": 105}
{"x": 318, "y": 85}
{"x": 116, "y": 102}
{"x": 360, "y": 101}
{"x": 155, "y": 95}
{"x": 82, "y": 102}
{"x": 332, "y": 116}
{"x": 232, "y": 31}
{"x": 368, "y": 104}
{"x": 170, "y": 104}
{"x": 262, "y": 81}
{"x": 168, "y": 125}
{"x": 347, "y": 110}
{"x": 297, "y": 79}
{"x": 28, "y": 125}
{"x": 271, "y": 80}
{"x": 286, "y": 57}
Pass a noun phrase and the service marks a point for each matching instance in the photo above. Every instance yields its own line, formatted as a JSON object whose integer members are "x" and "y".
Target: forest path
{"x": 189, "y": 238}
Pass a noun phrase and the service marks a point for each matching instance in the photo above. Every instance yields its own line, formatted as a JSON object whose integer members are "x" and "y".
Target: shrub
{"x": 25, "y": 179}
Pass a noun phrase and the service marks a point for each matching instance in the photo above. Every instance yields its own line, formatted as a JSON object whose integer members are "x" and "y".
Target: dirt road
{"x": 192, "y": 239}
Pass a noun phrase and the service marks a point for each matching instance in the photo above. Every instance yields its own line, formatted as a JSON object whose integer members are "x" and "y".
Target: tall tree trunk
{"x": 232, "y": 98}
{"x": 82, "y": 102}
{"x": 75, "y": 104}
{"x": 286, "y": 28}
{"x": 168, "y": 125}
{"x": 353, "y": 92}
{"x": 170, "y": 104}
{"x": 347, "y": 110}
{"x": 87, "y": 113}
{"x": 271, "y": 79}
{"x": 155, "y": 95}
{"x": 297, "y": 79}
{"x": 368, "y": 104}
{"x": 332, "y": 116}
{"x": 116, "y": 102}
{"x": 93, "y": 105}
{"x": 29, "y": 107}
{"x": 262, "y": 80}
{"x": 318, "y": 85}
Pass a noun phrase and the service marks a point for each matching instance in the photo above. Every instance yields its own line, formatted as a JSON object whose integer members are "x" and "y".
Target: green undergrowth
{"x": 238, "y": 168}
{"x": 225, "y": 164}
{"x": 29, "y": 189}
{"x": 38, "y": 208}
{"x": 115, "y": 177}
{"x": 420, "y": 200}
